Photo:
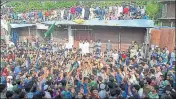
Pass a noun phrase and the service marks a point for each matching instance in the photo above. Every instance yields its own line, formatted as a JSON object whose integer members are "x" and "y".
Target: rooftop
{"x": 143, "y": 23}
{"x": 166, "y": 0}
{"x": 171, "y": 18}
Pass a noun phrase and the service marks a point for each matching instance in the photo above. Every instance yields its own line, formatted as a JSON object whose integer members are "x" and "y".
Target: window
{"x": 164, "y": 11}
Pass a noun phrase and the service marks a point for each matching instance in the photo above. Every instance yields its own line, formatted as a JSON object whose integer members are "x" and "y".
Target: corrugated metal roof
{"x": 122, "y": 23}
{"x": 21, "y": 25}
{"x": 166, "y": 1}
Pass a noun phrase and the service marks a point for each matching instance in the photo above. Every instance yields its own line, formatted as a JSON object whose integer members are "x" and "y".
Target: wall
{"x": 24, "y": 32}
{"x": 120, "y": 37}
{"x": 170, "y": 10}
{"x": 163, "y": 37}
{"x": 60, "y": 34}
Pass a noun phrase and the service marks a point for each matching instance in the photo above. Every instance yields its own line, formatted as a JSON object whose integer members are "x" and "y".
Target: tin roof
{"x": 21, "y": 25}
{"x": 143, "y": 23}
{"x": 166, "y": 0}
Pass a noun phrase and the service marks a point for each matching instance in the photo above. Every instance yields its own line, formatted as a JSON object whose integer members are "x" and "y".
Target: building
{"x": 168, "y": 13}
{"x": 120, "y": 32}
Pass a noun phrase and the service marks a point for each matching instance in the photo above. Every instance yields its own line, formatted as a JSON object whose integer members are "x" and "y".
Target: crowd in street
{"x": 37, "y": 70}
{"x": 115, "y": 12}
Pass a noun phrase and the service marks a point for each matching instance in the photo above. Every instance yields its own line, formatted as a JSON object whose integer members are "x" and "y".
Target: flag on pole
{"x": 50, "y": 30}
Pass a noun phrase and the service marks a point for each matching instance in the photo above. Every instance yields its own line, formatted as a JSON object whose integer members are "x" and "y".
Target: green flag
{"x": 50, "y": 30}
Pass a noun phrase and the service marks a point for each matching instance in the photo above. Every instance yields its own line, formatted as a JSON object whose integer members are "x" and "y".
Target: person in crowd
{"x": 87, "y": 46}
{"x": 83, "y": 12}
{"x": 87, "y": 13}
{"x": 91, "y": 46}
{"x": 65, "y": 73}
{"x": 98, "y": 46}
{"x": 128, "y": 11}
{"x": 172, "y": 57}
{"x": 73, "y": 12}
{"x": 108, "y": 46}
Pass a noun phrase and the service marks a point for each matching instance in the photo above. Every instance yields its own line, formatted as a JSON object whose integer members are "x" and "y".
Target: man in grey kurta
{"x": 91, "y": 46}
{"x": 98, "y": 46}
{"x": 87, "y": 12}
{"x": 108, "y": 46}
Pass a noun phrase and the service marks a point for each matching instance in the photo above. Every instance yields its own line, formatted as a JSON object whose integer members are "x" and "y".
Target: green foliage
{"x": 152, "y": 8}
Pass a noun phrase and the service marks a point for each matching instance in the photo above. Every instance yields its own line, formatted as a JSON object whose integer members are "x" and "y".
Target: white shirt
{"x": 47, "y": 95}
{"x": 140, "y": 92}
{"x": 83, "y": 12}
{"x": 9, "y": 86}
{"x": 120, "y": 9}
{"x": 84, "y": 48}
{"x": 80, "y": 45}
{"x": 68, "y": 45}
{"x": 115, "y": 8}
{"x": 110, "y": 8}
{"x": 167, "y": 52}
{"x": 87, "y": 47}
{"x": 142, "y": 11}
{"x": 11, "y": 44}
{"x": 115, "y": 56}
{"x": 62, "y": 14}
{"x": 132, "y": 52}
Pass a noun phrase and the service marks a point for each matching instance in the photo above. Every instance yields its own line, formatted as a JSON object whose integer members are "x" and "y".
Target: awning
{"x": 143, "y": 23}
{"x": 21, "y": 25}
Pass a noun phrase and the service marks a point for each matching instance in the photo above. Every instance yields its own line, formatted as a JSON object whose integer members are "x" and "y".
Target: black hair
{"x": 148, "y": 80}
{"x": 93, "y": 88}
{"x": 18, "y": 82}
{"x": 2, "y": 87}
{"x": 146, "y": 97}
{"x": 152, "y": 71}
{"x": 132, "y": 97}
{"x": 122, "y": 86}
{"x": 137, "y": 87}
{"x": 173, "y": 95}
{"x": 167, "y": 88}
{"x": 9, "y": 94}
{"x": 28, "y": 87}
{"x": 17, "y": 90}
{"x": 156, "y": 87}
{"x": 121, "y": 97}
{"x": 22, "y": 95}
{"x": 141, "y": 83}
{"x": 113, "y": 92}
{"x": 118, "y": 91}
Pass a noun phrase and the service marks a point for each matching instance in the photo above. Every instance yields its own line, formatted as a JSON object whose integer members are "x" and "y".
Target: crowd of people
{"x": 115, "y": 12}
{"x": 37, "y": 70}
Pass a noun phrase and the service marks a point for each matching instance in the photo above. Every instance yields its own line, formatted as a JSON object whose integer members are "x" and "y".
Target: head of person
{"x": 155, "y": 88}
{"x": 99, "y": 40}
{"x": 135, "y": 88}
{"x": 80, "y": 95}
{"x": 9, "y": 94}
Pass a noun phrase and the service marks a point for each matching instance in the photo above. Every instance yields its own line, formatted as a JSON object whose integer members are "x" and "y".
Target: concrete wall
{"x": 120, "y": 37}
